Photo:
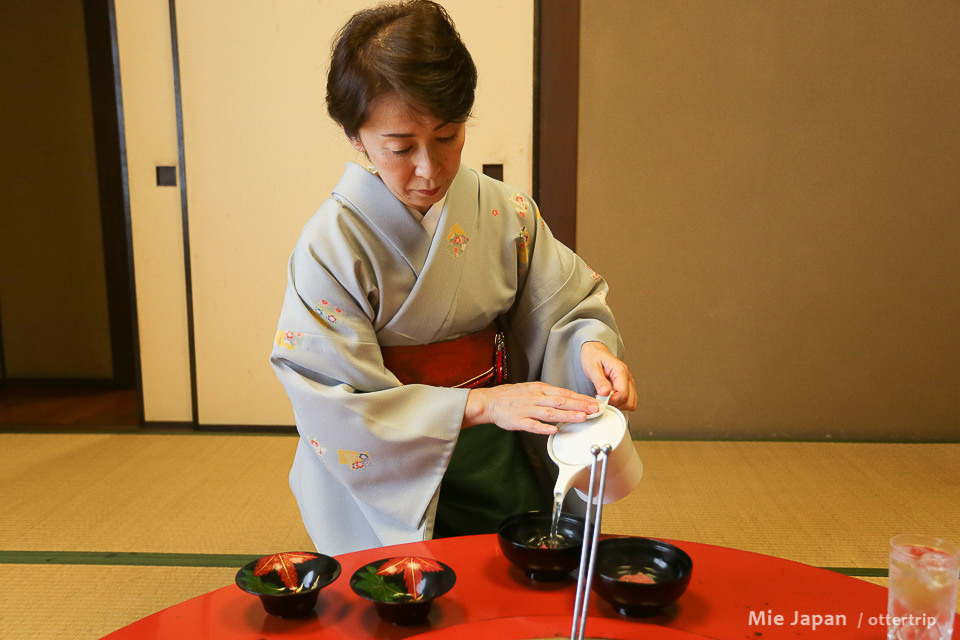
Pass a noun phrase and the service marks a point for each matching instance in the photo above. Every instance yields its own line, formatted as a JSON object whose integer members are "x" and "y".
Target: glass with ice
{"x": 923, "y": 588}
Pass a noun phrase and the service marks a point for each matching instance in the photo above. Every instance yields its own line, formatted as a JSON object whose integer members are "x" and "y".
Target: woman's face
{"x": 416, "y": 155}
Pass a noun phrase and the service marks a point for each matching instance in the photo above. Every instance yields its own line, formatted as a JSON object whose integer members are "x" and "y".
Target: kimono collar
{"x": 370, "y": 197}
{"x": 438, "y": 283}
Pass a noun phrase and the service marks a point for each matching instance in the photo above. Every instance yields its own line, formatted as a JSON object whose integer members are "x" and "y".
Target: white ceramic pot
{"x": 570, "y": 448}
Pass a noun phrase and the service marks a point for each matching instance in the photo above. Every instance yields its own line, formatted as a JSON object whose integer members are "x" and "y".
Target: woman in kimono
{"x": 433, "y": 331}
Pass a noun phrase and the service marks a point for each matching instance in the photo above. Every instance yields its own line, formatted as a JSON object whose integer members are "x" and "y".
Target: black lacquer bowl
{"x": 522, "y": 538}
{"x": 640, "y": 576}
{"x": 288, "y": 583}
{"x": 403, "y": 589}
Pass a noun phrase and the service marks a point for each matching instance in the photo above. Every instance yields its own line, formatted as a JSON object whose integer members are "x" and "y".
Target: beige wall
{"x": 773, "y": 191}
{"x": 261, "y": 155}
{"x": 52, "y": 286}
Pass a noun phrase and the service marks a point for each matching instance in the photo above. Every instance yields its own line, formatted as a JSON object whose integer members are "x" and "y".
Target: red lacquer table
{"x": 733, "y": 594}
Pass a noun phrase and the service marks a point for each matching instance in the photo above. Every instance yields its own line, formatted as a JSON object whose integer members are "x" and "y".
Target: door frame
{"x": 110, "y": 145}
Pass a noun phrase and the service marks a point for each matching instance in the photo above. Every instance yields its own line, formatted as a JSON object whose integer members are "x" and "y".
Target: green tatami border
{"x": 225, "y": 560}
{"x": 127, "y": 558}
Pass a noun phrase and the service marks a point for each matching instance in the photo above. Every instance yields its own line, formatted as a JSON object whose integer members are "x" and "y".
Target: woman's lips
{"x": 428, "y": 193}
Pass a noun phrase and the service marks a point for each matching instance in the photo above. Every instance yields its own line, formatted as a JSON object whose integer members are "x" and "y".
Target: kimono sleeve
{"x": 560, "y": 305}
{"x": 344, "y": 399}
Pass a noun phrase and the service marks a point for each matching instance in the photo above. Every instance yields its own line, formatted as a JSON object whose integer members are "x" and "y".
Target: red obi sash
{"x": 469, "y": 362}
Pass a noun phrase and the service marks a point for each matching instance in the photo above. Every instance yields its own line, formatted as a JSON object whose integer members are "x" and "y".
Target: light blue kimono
{"x": 365, "y": 273}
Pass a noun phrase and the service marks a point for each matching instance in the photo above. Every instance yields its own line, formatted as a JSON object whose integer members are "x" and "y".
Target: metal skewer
{"x": 591, "y": 536}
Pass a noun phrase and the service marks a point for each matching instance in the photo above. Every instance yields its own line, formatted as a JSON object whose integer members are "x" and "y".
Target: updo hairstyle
{"x": 411, "y": 49}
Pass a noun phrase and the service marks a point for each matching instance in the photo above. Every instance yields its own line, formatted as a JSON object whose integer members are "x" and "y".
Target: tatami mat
{"x": 149, "y": 493}
{"x": 84, "y": 602}
{"x": 187, "y": 498}
{"x": 825, "y": 504}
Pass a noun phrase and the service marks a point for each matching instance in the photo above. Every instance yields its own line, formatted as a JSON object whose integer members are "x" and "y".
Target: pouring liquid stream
{"x": 555, "y": 541}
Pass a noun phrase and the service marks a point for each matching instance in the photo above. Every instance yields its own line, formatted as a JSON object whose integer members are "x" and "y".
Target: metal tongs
{"x": 591, "y": 536}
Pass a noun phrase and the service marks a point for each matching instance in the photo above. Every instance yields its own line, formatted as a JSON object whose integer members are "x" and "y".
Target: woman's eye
{"x": 400, "y": 152}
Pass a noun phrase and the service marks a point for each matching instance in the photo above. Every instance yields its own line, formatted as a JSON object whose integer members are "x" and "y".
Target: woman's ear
{"x": 355, "y": 141}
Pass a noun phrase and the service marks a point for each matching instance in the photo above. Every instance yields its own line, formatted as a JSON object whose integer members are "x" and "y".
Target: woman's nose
{"x": 426, "y": 165}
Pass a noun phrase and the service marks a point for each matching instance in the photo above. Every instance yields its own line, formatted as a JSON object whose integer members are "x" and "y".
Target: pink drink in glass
{"x": 923, "y": 588}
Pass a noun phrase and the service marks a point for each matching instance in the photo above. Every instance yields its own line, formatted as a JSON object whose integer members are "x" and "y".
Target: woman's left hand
{"x": 609, "y": 375}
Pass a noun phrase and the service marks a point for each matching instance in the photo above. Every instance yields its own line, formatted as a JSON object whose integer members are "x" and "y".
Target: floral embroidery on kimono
{"x": 289, "y": 339}
{"x": 355, "y": 459}
{"x": 319, "y": 448}
{"x": 329, "y": 314}
{"x": 457, "y": 241}
{"x": 520, "y": 204}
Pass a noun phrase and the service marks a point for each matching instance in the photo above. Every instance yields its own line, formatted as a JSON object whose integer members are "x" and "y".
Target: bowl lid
{"x": 403, "y": 580}
{"x": 287, "y": 573}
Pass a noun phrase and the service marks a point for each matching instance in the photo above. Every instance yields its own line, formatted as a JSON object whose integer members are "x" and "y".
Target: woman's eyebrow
{"x": 410, "y": 135}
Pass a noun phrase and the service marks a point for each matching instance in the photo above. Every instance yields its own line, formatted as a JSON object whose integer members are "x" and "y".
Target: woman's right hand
{"x": 527, "y": 406}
